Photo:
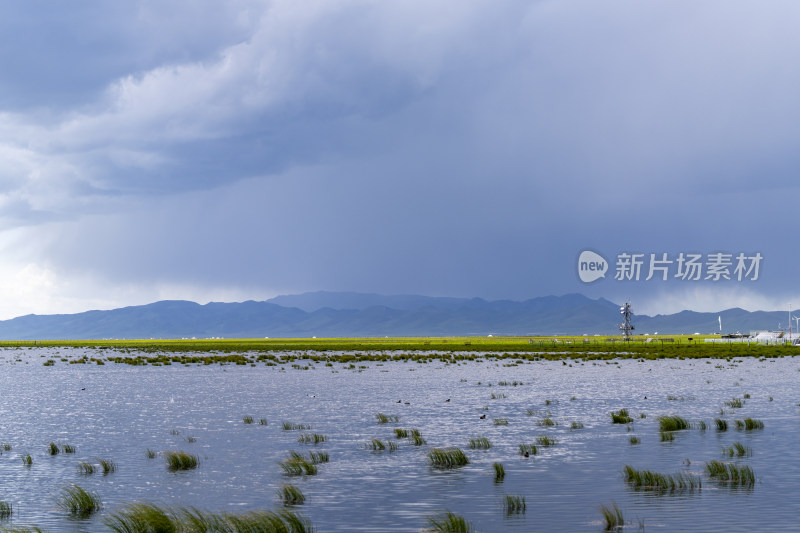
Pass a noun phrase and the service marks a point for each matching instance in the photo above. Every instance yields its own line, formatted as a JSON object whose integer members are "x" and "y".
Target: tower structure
{"x": 627, "y": 326}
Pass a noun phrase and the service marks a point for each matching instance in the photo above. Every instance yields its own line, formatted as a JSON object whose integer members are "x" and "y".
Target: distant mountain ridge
{"x": 330, "y": 314}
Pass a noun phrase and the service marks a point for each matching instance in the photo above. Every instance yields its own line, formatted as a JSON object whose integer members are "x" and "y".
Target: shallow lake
{"x": 118, "y": 412}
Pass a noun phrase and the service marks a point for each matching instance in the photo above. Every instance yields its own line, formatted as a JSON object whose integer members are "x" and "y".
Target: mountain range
{"x": 343, "y": 314}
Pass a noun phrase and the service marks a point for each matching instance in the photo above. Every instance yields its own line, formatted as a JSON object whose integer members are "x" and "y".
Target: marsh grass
{"x": 737, "y": 449}
{"x": 501, "y": 421}
{"x": 288, "y": 426}
{"x": 177, "y": 460}
{"x": 667, "y": 436}
{"x": 52, "y": 449}
{"x": 78, "y": 501}
{"x": 86, "y": 468}
{"x": 377, "y": 445}
{"x": 749, "y": 424}
{"x": 247, "y": 419}
{"x": 499, "y": 472}
{"x": 297, "y": 465}
{"x": 547, "y": 422}
{"x": 27, "y": 460}
{"x": 732, "y": 474}
{"x": 576, "y": 425}
{"x": 151, "y": 454}
{"x": 444, "y": 458}
{"x": 415, "y": 438}
{"x": 621, "y": 417}
{"x": 449, "y": 523}
{"x": 612, "y": 516}
{"x": 735, "y": 403}
{"x": 68, "y": 448}
{"x": 634, "y": 439}
{"x": 107, "y": 465}
{"x": 385, "y": 419}
{"x": 6, "y": 509}
{"x": 529, "y": 449}
{"x": 6, "y": 447}
{"x": 150, "y": 518}
{"x": 480, "y": 443}
{"x": 722, "y": 425}
{"x": 514, "y": 504}
{"x": 673, "y": 423}
{"x": 262, "y": 421}
{"x": 545, "y": 441}
{"x": 654, "y": 481}
{"x": 312, "y": 438}
{"x": 400, "y": 433}
{"x": 291, "y": 495}
{"x": 318, "y": 457}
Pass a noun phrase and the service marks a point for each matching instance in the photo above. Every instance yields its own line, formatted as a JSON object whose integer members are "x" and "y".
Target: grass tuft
{"x": 480, "y": 443}
{"x": 612, "y": 515}
{"x": 443, "y": 458}
{"x": 654, "y": 481}
{"x": 180, "y": 461}
{"x": 722, "y": 425}
{"x": 247, "y": 419}
{"x": 736, "y": 475}
{"x": 79, "y": 502}
{"x": 621, "y": 417}
{"x": 749, "y": 424}
{"x": 449, "y": 523}
{"x": 514, "y": 504}
{"x": 291, "y": 495}
{"x": 385, "y": 419}
{"x": 499, "y": 472}
{"x": 546, "y": 441}
{"x": 53, "y": 449}
{"x": 673, "y": 423}
{"x": 6, "y": 509}
{"x": 528, "y": 449}
{"x": 311, "y": 438}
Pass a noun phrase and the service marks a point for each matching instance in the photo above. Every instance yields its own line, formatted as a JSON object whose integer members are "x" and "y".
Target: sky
{"x": 242, "y": 149}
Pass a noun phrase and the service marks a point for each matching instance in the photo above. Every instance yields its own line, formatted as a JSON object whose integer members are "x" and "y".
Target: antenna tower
{"x": 626, "y": 327}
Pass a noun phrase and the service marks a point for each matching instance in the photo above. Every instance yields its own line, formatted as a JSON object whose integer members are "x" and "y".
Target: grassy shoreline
{"x": 347, "y": 349}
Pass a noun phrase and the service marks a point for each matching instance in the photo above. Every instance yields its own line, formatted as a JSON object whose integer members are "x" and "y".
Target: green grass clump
{"x": 634, "y": 439}
{"x": 501, "y": 421}
{"x": 377, "y": 445}
{"x": 68, "y": 448}
{"x": 667, "y": 436}
{"x": 649, "y": 480}
{"x": 612, "y": 516}
{"x": 6, "y": 509}
{"x": 151, "y": 454}
{"x": 447, "y": 458}
{"x": 449, "y": 523}
{"x": 313, "y": 438}
{"x": 288, "y": 426}
{"x": 319, "y": 457}
{"x": 737, "y": 449}
{"x": 576, "y": 425}
{"x": 741, "y": 476}
{"x": 673, "y": 423}
{"x": 546, "y": 441}
{"x": 86, "y": 468}
{"x": 27, "y": 460}
{"x": 722, "y": 425}
{"x": 735, "y": 403}
{"x": 385, "y": 419}
{"x": 547, "y": 421}
{"x": 749, "y": 424}
{"x": 262, "y": 421}
{"x": 180, "y": 461}
{"x": 530, "y": 449}
{"x": 499, "y": 472}
{"x": 514, "y": 504}
{"x": 401, "y": 433}
{"x": 291, "y": 495}
{"x": 79, "y": 502}
{"x": 480, "y": 443}
{"x": 53, "y": 449}
{"x": 107, "y": 465}
{"x": 621, "y": 417}
{"x": 150, "y": 518}
{"x": 415, "y": 438}
{"x": 6, "y": 447}
{"x": 298, "y": 465}
{"x": 247, "y": 419}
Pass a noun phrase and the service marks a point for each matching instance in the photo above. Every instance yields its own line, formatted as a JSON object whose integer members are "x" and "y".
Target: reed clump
{"x": 247, "y": 419}
{"x": 449, "y": 523}
{"x": 312, "y": 438}
{"x": 612, "y": 516}
{"x": 385, "y": 419}
{"x": 528, "y": 449}
{"x": 501, "y": 421}
{"x": 78, "y": 501}
{"x": 499, "y": 472}
{"x": 52, "y": 449}
{"x": 27, "y": 460}
{"x": 737, "y": 475}
{"x": 480, "y": 443}
{"x": 673, "y": 423}
{"x": 150, "y": 518}
{"x": 6, "y": 509}
{"x": 514, "y": 504}
{"x": 654, "y": 481}
{"x": 545, "y": 441}
{"x": 443, "y": 458}
{"x": 288, "y": 426}
{"x": 621, "y": 417}
{"x": 177, "y": 460}
{"x": 298, "y": 465}
{"x": 722, "y": 425}
{"x": 749, "y": 424}
{"x": 291, "y": 495}
{"x": 546, "y": 422}
{"x": 737, "y": 449}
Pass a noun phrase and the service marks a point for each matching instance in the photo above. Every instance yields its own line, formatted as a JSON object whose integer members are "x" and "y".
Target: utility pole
{"x": 626, "y": 327}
